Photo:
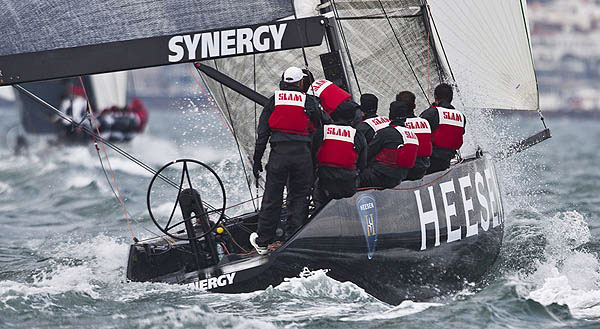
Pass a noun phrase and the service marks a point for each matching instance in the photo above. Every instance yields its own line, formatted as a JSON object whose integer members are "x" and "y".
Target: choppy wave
{"x": 65, "y": 243}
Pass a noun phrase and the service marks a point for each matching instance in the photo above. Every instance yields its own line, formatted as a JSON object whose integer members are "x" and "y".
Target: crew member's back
{"x": 391, "y": 153}
{"x": 371, "y": 122}
{"x": 421, "y": 128}
{"x": 447, "y": 128}
{"x": 284, "y": 123}
{"x": 341, "y": 152}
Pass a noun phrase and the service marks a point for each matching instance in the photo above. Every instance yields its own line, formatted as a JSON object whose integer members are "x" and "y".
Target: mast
{"x": 334, "y": 67}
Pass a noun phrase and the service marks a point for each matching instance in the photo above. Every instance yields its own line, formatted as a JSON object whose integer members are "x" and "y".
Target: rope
{"x": 403, "y": 51}
{"x": 338, "y": 22}
{"x": 416, "y": 187}
{"x": 114, "y": 178}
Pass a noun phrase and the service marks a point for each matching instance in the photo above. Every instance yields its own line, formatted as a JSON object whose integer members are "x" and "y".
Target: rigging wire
{"x": 403, "y": 51}
{"x": 237, "y": 143}
{"x": 343, "y": 35}
{"x": 299, "y": 34}
{"x": 539, "y": 110}
{"x": 114, "y": 178}
{"x": 255, "y": 118}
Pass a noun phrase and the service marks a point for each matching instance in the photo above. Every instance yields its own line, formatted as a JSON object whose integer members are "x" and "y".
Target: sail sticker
{"x": 367, "y": 213}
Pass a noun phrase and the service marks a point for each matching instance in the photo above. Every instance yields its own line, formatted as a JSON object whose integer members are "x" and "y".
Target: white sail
{"x": 485, "y": 46}
{"x": 110, "y": 89}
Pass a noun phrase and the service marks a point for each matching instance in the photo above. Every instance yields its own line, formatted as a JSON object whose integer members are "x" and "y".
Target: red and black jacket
{"x": 335, "y": 156}
{"x": 281, "y": 124}
{"x": 421, "y": 128}
{"x": 371, "y": 124}
{"x": 383, "y": 151}
{"x": 401, "y": 155}
{"x": 447, "y": 129}
{"x": 337, "y": 149}
{"x": 330, "y": 94}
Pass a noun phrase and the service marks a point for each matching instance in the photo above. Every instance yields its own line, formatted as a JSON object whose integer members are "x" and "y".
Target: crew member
{"x": 341, "y": 152}
{"x": 141, "y": 114}
{"x": 307, "y": 82}
{"x": 329, "y": 94}
{"x": 74, "y": 105}
{"x": 372, "y": 122}
{"x": 421, "y": 128}
{"x": 391, "y": 153}
{"x": 447, "y": 128}
{"x": 284, "y": 123}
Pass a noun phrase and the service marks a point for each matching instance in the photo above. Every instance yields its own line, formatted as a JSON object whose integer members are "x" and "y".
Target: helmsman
{"x": 284, "y": 122}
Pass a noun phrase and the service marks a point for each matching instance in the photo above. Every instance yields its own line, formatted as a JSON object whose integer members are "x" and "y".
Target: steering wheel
{"x": 185, "y": 177}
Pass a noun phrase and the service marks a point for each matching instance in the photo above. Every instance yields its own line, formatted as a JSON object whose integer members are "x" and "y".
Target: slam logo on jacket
{"x": 367, "y": 213}
{"x": 246, "y": 40}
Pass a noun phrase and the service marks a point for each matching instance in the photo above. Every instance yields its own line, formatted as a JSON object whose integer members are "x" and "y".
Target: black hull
{"x": 395, "y": 244}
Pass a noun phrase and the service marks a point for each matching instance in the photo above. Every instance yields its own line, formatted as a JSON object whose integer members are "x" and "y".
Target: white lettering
{"x": 227, "y": 41}
{"x": 450, "y": 210}
{"x": 277, "y": 34}
{"x": 222, "y": 280}
{"x": 492, "y": 195}
{"x": 210, "y": 44}
{"x": 215, "y": 282}
{"x": 498, "y": 197}
{"x": 244, "y": 40}
{"x": 212, "y": 283}
{"x": 366, "y": 206}
{"x": 465, "y": 182}
{"x": 483, "y": 202}
{"x": 261, "y": 45}
{"x": 230, "y": 277}
{"x": 176, "y": 48}
{"x": 429, "y": 217}
{"x": 191, "y": 44}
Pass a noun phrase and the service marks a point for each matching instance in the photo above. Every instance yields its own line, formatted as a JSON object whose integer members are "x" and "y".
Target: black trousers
{"x": 370, "y": 177}
{"x": 419, "y": 170}
{"x": 296, "y": 170}
{"x": 438, "y": 164}
{"x": 328, "y": 189}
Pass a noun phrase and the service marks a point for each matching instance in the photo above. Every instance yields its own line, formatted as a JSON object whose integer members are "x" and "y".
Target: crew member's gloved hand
{"x": 257, "y": 168}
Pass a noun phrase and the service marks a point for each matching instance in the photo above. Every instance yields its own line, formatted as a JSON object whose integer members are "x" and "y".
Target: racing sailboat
{"x": 416, "y": 241}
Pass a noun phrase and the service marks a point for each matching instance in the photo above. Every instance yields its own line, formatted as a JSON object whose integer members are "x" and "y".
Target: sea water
{"x": 64, "y": 239}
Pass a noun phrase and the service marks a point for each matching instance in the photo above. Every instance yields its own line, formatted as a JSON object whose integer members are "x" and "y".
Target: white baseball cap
{"x": 293, "y": 74}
